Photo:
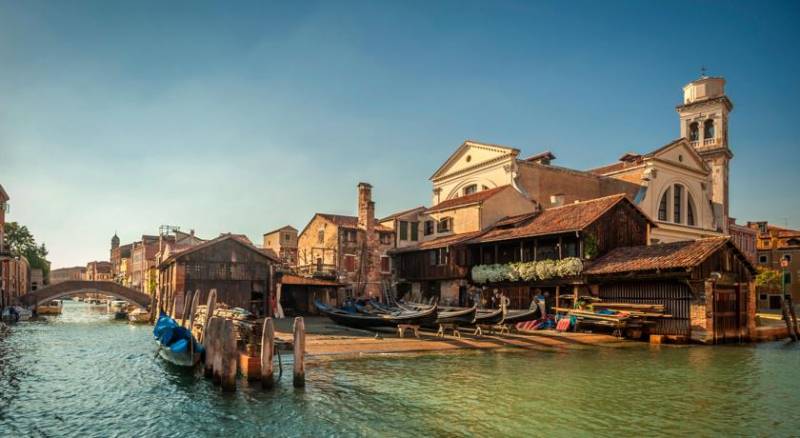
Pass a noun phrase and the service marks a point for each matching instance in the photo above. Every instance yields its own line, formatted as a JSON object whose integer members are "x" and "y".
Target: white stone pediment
{"x": 471, "y": 155}
{"x": 681, "y": 153}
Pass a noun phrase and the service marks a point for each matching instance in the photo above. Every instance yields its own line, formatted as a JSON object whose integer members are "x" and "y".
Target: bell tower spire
{"x": 704, "y": 123}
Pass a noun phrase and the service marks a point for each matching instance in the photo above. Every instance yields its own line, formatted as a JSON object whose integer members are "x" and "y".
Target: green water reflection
{"x": 80, "y": 374}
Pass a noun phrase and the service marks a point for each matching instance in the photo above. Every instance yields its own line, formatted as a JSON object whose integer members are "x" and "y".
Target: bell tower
{"x": 704, "y": 122}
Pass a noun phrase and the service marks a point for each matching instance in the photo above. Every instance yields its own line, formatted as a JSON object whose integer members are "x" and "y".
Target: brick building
{"x": 773, "y": 244}
{"x": 349, "y": 249}
{"x": 98, "y": 271}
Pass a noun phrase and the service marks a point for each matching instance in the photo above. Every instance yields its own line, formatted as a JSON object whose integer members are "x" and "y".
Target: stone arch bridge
{"x": 72, "y": 287}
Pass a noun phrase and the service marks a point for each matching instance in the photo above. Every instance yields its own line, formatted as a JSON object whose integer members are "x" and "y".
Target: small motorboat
{"x": 176, "y": 344}
{"x": 139, "y": 316}
{"x": 362, "y": 320}
{"x": 16, "y": 314}
{"x": 52, "y": 307}
{"x": 119, "y": 308}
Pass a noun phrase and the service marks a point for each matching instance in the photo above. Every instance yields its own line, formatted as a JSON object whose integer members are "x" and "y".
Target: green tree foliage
{"x": 20, "y": 241}
{"x": 768, "y": 279}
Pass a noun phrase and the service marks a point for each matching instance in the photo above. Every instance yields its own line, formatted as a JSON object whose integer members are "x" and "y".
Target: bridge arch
{"x": 72, "y": 287}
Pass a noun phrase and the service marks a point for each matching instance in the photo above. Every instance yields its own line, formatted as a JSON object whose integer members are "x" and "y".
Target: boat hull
{"x": 360, "y": 320}
{"x": 184, "y": 359}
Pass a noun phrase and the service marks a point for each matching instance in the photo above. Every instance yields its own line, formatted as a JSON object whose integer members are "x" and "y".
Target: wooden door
{"x": 727, "y": 309}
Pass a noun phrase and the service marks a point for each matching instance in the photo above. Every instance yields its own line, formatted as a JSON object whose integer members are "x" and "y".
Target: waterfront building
{"x": 351, "y": 250}
{"x": 775, "y": 243}
{"x": 241, "y": 273}
{"x": 283, "y": 242}
{"x": 65, "y": 274}
{"x": 143, "y": 259}
{"x": 4, "y": 255}
{"x": 441, "y": 267}
{"x": 14, "y": 278}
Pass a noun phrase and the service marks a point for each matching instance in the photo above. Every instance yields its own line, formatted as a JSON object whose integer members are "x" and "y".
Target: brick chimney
{"x": 366, "y": 208}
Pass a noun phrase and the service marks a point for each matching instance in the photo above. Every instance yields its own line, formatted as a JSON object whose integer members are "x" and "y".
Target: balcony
{"x": 709, "y": 142}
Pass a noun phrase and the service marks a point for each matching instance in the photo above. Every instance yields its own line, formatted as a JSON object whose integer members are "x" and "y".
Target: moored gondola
{"x": 363, "y": 320}
{"x": 458, "y": 316}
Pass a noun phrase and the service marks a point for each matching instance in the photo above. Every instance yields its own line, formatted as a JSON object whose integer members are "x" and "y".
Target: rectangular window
{"x": 403, "y": 226}
{"x": 443, "y": 256}
{"x": 349, "y": 263}
{"x": 428, "y": 227}
{"x": 414, "y": 231}
{"x": 762, "y": 259}
{"x": 385, "y": 238}
{"x": 348, "y": 235}
{"x": 788, "y": 277}
{"x": 443, "y": 226}
{"x": 321, "y": 236}
{"x": 385, "y": 264}
{"x": 434, "y": 257}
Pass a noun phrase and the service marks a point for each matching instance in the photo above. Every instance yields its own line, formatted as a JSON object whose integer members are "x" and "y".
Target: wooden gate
{"x": 674, "y": 296}
{"x": 727, "y": 314}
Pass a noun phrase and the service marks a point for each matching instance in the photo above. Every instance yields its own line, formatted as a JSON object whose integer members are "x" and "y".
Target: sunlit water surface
{"x": 80, "y": 374}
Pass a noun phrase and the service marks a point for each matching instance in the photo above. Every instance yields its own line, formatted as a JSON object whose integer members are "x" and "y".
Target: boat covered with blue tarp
{"x": 176, "y": 343}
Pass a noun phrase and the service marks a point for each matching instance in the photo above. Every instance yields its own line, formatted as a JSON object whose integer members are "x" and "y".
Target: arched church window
{"x": 677, "y": 191}
{"x": 694, "y": 132}
{"x": 470, "y": 189}
{"x": 662, "y": 206}
{"x": 689, "y": 209}
{"x": 708, "y": 129}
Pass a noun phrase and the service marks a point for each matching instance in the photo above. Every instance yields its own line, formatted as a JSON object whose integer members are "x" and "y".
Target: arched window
{"x": 694, "y": 132}
{"x": 677, "y": 191}
{"x": 470, "y": 189}
{"x": 689, "y": 209}
{"x": 662, "y": 206}
{"x": 708, "y": 129}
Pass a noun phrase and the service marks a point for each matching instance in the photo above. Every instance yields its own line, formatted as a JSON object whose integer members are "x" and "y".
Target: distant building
{"x": 65, "y": 274}
{"x": 283, "y": 242}
{"x": 98, "y": 271}
{"x": 14, "y": 278}
{"x": 37, "y": 279}
{"x": 351, "y": 250}
{"x": 775, "y": 243}
{"x": 231, "y": 264}
{"x": 3, "y": 209}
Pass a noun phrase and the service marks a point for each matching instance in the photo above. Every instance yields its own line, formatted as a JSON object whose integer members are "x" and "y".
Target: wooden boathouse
{"x": 705, "y": 285}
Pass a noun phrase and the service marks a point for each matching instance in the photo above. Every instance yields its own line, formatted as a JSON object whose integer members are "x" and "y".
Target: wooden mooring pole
{"x": 267, "y": 351}
{"x": 299, "y": 352}
{"x": 211, "y": 305}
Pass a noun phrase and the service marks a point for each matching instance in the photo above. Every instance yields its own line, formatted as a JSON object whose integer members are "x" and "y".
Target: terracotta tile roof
{"x": 291, "y": 279}
{"x": 557, "y": 220}
{"x": 666, "y": 256}
{"x": 402, "y": 213}
{"x": 350, "y": 221}
{"x": 439, "y": 242}
{"x": 474, "y": 198}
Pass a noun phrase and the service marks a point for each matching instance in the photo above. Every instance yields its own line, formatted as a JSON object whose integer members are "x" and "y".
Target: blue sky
{"x": 243, "y": 117}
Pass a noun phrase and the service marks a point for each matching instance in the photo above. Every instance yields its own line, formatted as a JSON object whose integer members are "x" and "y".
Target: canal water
{"x": 81, "y": 374}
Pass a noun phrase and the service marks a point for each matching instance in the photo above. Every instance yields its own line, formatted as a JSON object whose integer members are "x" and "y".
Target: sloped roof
{"x": 666, "y": 256}
{"x": 402, "y": 213}
{"x": 474, "y": 198}
{"x": 239, "y": 238}
{"x": 285, "y": 227}
{"x": 439, "y": 242}
{"x": 631, "y": 159}
{"x": 558, "y": 220}
{"x": 349, "y": 221}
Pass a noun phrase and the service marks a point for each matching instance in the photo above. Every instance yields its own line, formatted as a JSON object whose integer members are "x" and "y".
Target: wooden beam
{"x": 299, "y": 380}
{"x": 267, "y": 352}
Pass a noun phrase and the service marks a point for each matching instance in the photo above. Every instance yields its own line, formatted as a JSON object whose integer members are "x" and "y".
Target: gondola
{"x": 176, "y": 343}
{"x": 458, "y": 316}
{"x": 490, "y": 316}
{"x": 362, "y": 320}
